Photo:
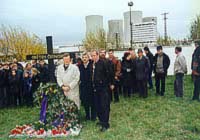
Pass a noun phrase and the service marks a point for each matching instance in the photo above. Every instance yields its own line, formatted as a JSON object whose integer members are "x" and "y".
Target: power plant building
{"x": 144, "y": 30}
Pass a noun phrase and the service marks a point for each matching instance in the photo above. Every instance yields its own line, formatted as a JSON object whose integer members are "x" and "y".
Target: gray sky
{"x": 65, "y": 19}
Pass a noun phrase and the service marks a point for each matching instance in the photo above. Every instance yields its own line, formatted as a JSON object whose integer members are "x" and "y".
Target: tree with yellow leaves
{"x": 95, "y": 40}
{"x": 19, "y": 43}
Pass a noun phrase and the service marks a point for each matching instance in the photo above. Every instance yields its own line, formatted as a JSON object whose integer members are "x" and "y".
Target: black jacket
{"x": 2, "y": 78}
{"x": 151, "y": 59}
{"x": 166, "y": 62}
{"x": 86, "y": 84}
{"x": 103, "y": 74}
{"x": 142, "y": 68}
{"x": 127, "y": 72}
{"x": 14, "y": 83}
{"x": 35, "y": 82}
{"x": 44, "y": 74}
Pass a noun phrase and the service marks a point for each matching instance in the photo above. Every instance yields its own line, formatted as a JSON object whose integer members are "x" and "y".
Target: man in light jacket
{"x": 68, "y": 76}
{"x": 180, "y": 68}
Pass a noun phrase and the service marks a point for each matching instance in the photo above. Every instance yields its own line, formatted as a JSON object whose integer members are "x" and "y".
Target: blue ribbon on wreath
{"x": 43, "y": 108}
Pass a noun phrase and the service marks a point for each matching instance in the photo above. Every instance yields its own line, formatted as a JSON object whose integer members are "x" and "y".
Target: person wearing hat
{"x": 150, "y": 57}
{"x": 142, "y": 73}
{"x": 196, "y": 70}
{"x": 161, "y": 66}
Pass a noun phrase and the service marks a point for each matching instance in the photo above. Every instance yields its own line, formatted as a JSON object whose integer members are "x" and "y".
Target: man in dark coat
{"x": 44, "y": 72}
{"x": 86, "y": 93}
{"x": 101, "y": 82}
{"x": 117, "y": 71}
{"x": 161, "y": 66}
{"x": 196, "y": 70}
{"x": 142, "y": 73}
{"x": 150, "y": 57}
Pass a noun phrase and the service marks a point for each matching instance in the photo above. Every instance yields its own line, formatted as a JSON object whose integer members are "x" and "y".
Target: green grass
{"x": 154, "y": 118}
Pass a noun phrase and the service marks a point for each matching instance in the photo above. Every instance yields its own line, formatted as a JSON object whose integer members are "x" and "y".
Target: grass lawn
{"x": 154, "y": 118}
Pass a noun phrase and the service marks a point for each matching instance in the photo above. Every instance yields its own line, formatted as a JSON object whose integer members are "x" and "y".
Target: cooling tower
{"x": 93, "y": 23}
{"x": 115, "y": 30}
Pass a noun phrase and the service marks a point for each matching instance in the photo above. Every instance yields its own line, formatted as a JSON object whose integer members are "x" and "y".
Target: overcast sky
{"x": 65, "y": 19}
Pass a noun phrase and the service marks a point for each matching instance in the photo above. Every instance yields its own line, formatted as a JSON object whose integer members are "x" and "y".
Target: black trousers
{"x": 196, "y": 87}
{"x": 178, "y": 85}
{"x": 160, "y": 79}
{"x": 102, "y": 104}
{"x": 2, "y": 97}
{"x": 150, "y": 81}
{"x": 142, "y": 88}
{"x": 90, "y": 109}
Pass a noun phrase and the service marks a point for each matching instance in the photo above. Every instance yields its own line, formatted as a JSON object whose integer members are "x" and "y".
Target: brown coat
{"x": 117, "y": 67}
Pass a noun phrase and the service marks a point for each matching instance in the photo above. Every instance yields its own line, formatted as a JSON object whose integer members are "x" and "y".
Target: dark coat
{"x": 166, "y": 62}
{"x": 151, "y": 59}
{"x": 27, "y": 81}
{"x": 2, "y": 78}
{"x": 19, "y": 66}
{"x": 35, "y": 82}
{"x": 44, "y": 74}
{"x": 127, "y": 72}
{"x": 142, "y": 68}
{"x": 86, "y": 84}
{"x": 110, "y": 67}
{"x": 14, "y": 84}
{"x": 103, "y": 73}
{"x": 6, "y": 75}
{"x": 195, "y": 66}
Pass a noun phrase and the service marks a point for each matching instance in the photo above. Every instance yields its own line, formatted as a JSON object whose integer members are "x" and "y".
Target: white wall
{"x": 186, "y": 51}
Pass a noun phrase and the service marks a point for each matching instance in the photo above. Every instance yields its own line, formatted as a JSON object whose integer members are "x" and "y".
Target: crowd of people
{"x": 96, "y": 80}
{"x": 18, "y": 83}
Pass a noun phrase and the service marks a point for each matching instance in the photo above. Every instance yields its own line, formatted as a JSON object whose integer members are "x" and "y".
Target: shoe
{"x": 103, "y": 129}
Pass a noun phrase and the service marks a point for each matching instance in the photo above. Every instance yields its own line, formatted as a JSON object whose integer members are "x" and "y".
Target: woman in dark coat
{"x": 127, "y": 69}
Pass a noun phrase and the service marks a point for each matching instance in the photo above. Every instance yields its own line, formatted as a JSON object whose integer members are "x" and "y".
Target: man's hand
{"x": 195, "y": 73}
{"x": 116, "y": 78}
{"x": 65, "y": 88}
{"x": 112, "y": 87}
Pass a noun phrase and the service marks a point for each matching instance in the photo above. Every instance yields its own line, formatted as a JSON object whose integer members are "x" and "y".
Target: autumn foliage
{"x": 19, "y": 43}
